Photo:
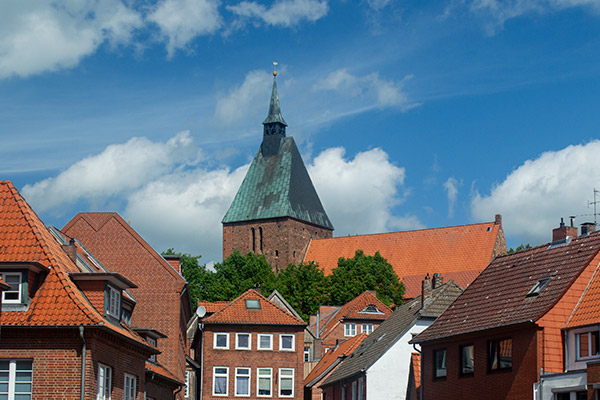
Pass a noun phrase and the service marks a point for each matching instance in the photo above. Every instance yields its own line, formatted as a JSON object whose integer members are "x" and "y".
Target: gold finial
{"x": 274, "y": 68}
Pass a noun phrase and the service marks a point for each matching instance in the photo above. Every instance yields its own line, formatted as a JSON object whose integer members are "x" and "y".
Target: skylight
{"x": 537, "y": 288}
{"x": 253, "y": 304}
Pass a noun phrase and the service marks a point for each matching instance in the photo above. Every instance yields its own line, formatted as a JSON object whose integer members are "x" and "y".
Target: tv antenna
{"x": 596, "y": 191}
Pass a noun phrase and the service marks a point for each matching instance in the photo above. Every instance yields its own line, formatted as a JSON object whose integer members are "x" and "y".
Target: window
{"x": 221, "y": 341}
{"x": 366, "y": 328}
{"x": 265, "y": 341}
{"x": 265, "y": 376}
{"x": 126, "y": 316}
{"x": 187, "y": 384}
{"x": 439, "y": 359}
{"x": 306, "y": 353}
{"x": 260, "y": 234}
{"x": 371, "y": 309}
{"x": 129, "y": 388}
{"x": 349, "y": 329}
{"x": 113, "y": 302}
{"x": 242, "y": 381}
{"x": 243, "y": 341}
{"x": 499, "y": 354}
{"x": 588, "y": 344}
{"x": 537, "y": 288}
{"x": 467, "y": 360}
{"x": 152, "y": 342}
{"x": 354, "y": 390}
{"x": 12, "y": 295}
{"x": 360, "y": 389}
{"x": 16, "y": 379}
{"x": 252, "y": 304}
{"x": 220, "y": 381}
{"x": 253, "y": 240}
{"x": 104, "y": 382}
{"x": 286, "y": 342}
{"x": 286, "y": 382}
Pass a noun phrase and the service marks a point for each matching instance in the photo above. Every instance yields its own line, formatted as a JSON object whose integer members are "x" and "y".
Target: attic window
{"x": 489, "y": 228}
{"x": 371, "y": 309}
{"x": 537, "y": 288}
{"x": 253, "y": 304}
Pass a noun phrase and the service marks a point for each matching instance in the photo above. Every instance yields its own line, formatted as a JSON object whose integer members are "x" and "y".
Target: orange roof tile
{"x": 352, "y": 310}
{"x": 587, "y": 311}
{"x": 163, "y": 372}
{"x": 343, "y": 350}
{"x": 268, "y": 314}
{"x": 416, "y": 253}
{"x": 415, "y": 361}
{"x": 4, "y": 285}
{"x": 212, "y": 307}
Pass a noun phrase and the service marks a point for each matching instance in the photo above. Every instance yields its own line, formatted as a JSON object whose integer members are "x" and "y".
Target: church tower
{"x": 276, "y": 211}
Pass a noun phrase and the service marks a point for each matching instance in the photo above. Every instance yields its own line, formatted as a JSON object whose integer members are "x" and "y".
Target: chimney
{"x": 563, "y": 231}
{"x": 71, "y": 250}
{"x": 587, "y": 228}
{"x": 175, "y": 262}
{"x": 437, "y": 281}
{"x": 498, "y": 219}
{"x": 425, "y": 290}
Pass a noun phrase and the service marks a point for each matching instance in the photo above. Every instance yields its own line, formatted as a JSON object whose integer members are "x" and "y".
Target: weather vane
{"x": 274, "y": 68}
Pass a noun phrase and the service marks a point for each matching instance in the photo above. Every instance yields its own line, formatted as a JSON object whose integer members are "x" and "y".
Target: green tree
{"x": 304, "y": 286}
{"x": 355, "y": 275}
{"x": 519, "y": 248}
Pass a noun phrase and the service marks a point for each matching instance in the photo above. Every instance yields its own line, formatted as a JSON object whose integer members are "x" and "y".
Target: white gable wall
{"x": 388, "y": 377}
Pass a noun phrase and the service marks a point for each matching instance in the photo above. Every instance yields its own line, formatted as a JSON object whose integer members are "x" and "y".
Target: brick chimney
{"x": 587, "y": 228}
{"x": 425, "y": 289}
{"x": 437, "y": 281}
{"x": 71, "y": 250}
{"x": 498, "y": 219}
{"x": 563, "y": 231}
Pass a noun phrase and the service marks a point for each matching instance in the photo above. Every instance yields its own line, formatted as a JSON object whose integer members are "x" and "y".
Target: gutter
{"x": 83, "y": 351}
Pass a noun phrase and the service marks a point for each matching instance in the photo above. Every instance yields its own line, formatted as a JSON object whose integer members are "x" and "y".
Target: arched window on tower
{"x": 260, "y": 238}
{"x": 253, "y": 240}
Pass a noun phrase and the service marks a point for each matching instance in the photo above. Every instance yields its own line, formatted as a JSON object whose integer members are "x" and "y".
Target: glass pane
{"x": 23, "y": 387}
{"x": 11, "y": 295}
{"x": 243, "y": 371}
{"x": 22, "y": 397}
{"x": 265, "y": 342}
{"x": 220, "y": 385}
{"x": 264, "y": 386}
{"x": 23, "y": 377}
{"x": 286, "y": 342}
{"x": 243, "y": 341}
{"x": 243, "y": 386}
{"x": 467, "y": 360}
{"x": 581, "y": 395}
{"x": 595, "y": 342}
{"x": 4, "y": 396}
{"x": 221, "y": 340}
{"x": 505, "y": 353}
{"x": 286, "y": 383}
{"x": 220, "y": 370}
{"x": 583, "y": 344}
{"x": 3, "y": 376}
{"x": 4, "y": 387}
{"x": 25, "y": 365}
{"x": 3, "y": 365}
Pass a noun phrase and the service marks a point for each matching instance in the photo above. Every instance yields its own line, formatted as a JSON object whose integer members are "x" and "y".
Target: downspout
{"x": 201, "y": 327}
{"x": 420, "y": 370}
{"x": 83, "y": 351}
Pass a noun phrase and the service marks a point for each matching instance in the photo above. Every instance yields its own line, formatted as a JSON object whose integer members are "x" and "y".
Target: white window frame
{"x": 350, "y": 329}
{"x": 104, "y": 388}
{"x": 367, "y": 328}
{"x": 129, "y": 387}
{"x": 264, "y": 376}
{"x": 306, "y": 353}
{"x": 578, "y": 334}
{"x": 12, "y": 381}
{"x": 152, "y": 342}
{"x": 186, "y": 392}
{"x": 259, "y": 344}
{"x": 215, "y": 337}
{"x": 281, "y": 378}
{"x": 237, "y": 341}
{"x": 220, "y": 375}
{"x": 238, "y": 374}
{"x": 19, "y": 289}
{"x": 113, "y": 308}
{"x": 281, "y": 348}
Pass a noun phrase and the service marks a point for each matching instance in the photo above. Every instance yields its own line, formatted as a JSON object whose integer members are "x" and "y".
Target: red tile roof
{"x": 499, "y": 296}
{"x": 4, "y": 285}
{"x": 164, "y": 373}
{"x": 587, "y": 311}
{"x": 415, "y": 362}
{"x": 237, "y": 313}
{"x": 454, "y": 249}
{"x": 331, "y": 357}
{"x": 352, "y": 310}
{"x": 212, "y": 307}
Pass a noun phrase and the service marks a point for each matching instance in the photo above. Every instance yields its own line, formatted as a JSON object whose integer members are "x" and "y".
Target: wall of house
{"x": 544, "y": 389}
{"x": 393, "y": 366}
{"x": 336, "y": 334}
{"x": 252, "y": 358}
{"x": 158, "y": 390}
{"x": 285, "y": 240}
{"x": 512, "y": 384}
{"x": 593, "y": 378}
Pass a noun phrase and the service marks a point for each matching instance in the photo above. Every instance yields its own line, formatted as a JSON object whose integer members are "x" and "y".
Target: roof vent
{"x": 560, "y": 242}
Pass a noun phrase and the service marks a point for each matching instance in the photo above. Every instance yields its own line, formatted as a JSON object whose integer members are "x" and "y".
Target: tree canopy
{"x": 304, "y": 287}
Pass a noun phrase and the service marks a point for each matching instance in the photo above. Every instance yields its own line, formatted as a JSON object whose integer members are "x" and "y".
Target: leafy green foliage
{"x": 519, "y": 248}
{"x": 304, "y": 287}
{"x": 355, "y": 275}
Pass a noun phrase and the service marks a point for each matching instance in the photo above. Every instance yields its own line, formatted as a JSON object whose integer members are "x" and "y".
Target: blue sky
{"x": 408, "y": 114}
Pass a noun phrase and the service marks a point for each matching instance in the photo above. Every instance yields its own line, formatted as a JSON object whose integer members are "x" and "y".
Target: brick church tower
{"x": 276, "y": 211}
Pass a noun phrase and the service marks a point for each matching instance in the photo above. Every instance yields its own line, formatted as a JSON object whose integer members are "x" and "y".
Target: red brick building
{"x": 508, "y": 326}
{"x": 64, "y": 321}
{"x": 251, "y": 348}
{"x": 163, "y": 302}
{"x": 276, "y": 211}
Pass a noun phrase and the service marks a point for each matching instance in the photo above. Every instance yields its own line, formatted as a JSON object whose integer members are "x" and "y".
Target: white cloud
{"x": 358, "y": 194}
{"x": 381, "y": 92}
{"x": 119, "y": 169}
{"x": 48, "y": 36}
{"x": 497, "y": 12}
{"x": 180, "y": 21}
{"x": 284, "y": 13}
{"x": 534, "y": 196}
{"x": 245, "y": 102}
{"x": 451, "y": 187}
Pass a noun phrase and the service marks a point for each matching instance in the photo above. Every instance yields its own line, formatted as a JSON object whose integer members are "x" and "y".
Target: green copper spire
{"x": 274, "y": 109}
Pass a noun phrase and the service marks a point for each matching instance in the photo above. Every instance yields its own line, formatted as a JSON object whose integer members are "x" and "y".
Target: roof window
{"x": 537, "y": 288}
{"x": 253, "y": 304}
{"x": 371, "y": 309}
{"x": 489, "y": 228}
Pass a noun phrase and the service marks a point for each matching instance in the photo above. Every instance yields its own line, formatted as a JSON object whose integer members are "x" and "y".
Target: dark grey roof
{"x": 393, "y": 328}
{"x": 278, "y": 186}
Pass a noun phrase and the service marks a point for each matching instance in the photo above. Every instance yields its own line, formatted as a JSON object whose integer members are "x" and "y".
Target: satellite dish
{"x": 201, "y": 311}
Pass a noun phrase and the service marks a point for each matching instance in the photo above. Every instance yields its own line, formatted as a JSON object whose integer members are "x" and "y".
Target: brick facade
{"x": 284, "y": 240}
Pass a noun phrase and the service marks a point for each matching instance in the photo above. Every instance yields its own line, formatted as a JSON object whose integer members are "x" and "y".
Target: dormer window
{"x": 152, "y": 342}
{"x": 113, "y": 302}
{"x": 13, "y": 295}
{"x": 537, "y": 288}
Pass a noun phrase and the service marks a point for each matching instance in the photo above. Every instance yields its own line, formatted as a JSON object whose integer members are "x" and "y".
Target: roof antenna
{"x": 596, "y": 191}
